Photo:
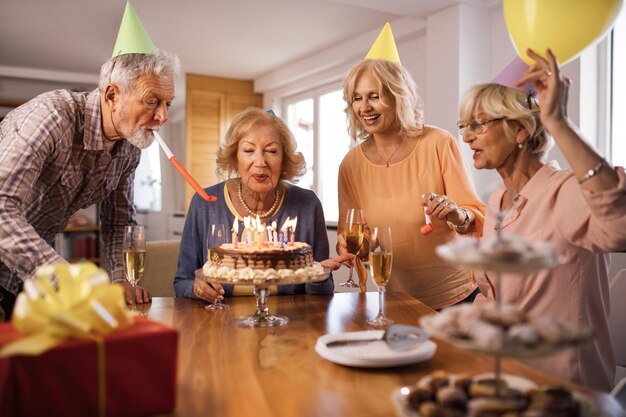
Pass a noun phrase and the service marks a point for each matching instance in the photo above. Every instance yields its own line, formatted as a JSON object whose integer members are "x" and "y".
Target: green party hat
{"x": 132, "y": 37}
{"x": 384, "y": 46}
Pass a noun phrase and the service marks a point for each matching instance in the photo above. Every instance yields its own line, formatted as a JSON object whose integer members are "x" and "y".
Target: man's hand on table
{"x": 141, "y": 294}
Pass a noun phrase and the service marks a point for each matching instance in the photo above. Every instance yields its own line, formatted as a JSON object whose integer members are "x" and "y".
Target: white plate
{"x": 374, "y": 354}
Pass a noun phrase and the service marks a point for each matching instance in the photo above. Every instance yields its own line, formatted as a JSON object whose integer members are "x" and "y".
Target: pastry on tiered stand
{"x": 262, "y": 264}
{"x": 460, "y": 395}
{"x": 498, "y": 330}
{"x": 505, "y": 253}
{"x": 502, "y": 329}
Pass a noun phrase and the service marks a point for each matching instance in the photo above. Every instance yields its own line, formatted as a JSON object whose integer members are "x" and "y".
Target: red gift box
{"x": 136, "y": 378}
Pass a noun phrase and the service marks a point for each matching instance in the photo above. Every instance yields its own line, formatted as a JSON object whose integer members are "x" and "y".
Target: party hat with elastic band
{"x": 384, "y": 46}
{"x": 132, "y": 37}
{"x": 511, "y": 73}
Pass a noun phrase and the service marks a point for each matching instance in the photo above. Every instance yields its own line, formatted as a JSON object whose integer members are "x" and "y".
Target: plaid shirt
{"x": 53, "y": 162}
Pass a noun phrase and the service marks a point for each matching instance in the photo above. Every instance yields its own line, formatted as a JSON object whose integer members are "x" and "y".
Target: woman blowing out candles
{"x": 581, "y": 210}
{"x": 261, "y": 151}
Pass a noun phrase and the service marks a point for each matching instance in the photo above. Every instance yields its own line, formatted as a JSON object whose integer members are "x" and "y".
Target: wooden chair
{"x": 160, "y": 267}
{"x": 617, "y": 321}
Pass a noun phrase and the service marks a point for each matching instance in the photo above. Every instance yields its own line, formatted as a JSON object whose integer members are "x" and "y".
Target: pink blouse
{"x": 584, "y": 226}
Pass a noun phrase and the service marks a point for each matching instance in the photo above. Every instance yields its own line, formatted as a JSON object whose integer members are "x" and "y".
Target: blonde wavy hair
{"x": 393, "y": 80}
{"x": 519, "y": 110}
{"x": 293, "y": 162}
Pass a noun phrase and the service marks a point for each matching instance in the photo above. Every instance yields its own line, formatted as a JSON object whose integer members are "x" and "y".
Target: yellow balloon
{"x": 565, "y": 26}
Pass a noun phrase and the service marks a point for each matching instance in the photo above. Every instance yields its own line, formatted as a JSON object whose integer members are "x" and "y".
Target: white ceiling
{"x": 241, "y": 39}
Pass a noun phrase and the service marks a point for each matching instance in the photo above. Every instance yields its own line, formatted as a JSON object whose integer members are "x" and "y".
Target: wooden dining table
{"x": 225, "y": 370}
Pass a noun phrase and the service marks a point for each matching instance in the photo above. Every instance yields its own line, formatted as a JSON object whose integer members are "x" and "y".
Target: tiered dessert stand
{"x": 456, "y": 254}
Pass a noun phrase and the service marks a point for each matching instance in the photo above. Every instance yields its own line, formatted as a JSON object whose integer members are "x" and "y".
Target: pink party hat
{"x": 512, "y": 73}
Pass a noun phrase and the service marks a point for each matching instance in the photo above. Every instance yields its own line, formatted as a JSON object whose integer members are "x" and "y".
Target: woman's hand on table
{"x": 335, "y": 263}
{"x": 207, "y": 291}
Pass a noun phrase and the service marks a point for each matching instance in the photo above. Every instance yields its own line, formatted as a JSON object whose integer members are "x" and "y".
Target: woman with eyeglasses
{"x": 401, "y": 166}
{"x": 581, "y": 210}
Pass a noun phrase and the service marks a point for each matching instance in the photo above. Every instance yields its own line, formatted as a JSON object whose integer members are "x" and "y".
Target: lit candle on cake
{"x": 275, "y": 232}
{"x": 260, "y": 228}
{"x": 235, "y": 232}
{"x": 269, "y": 233}
{"x": 294, "y": 222}
{"x": 245, "y": 235}
{"x": 283, "y": 232}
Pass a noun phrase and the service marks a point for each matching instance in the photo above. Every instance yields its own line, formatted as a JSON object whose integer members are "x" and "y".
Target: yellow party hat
{"x": 384, "y": 46}
{"x": 132, "y": 37}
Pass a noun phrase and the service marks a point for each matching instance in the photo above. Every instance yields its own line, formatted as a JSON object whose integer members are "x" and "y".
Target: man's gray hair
{"x": 124, "y": 70}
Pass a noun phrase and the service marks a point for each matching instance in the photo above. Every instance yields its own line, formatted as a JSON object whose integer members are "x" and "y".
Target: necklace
{"x": 392, "y": 153}
{"x": 250, "y": 211}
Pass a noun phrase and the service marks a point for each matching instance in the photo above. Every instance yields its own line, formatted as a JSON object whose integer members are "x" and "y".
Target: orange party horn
{"x": 428, "y": 227}
{"x": 182, "y": 171}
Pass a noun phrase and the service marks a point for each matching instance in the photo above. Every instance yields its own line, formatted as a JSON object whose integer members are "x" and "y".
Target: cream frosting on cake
{"x": 291, "y": 256}
{"x": 262, "y": 262}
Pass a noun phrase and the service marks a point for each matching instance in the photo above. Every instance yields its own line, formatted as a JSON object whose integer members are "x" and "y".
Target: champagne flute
{"x": 216, "y": 235}
{"x": 381, "y": 257}
{"x": 134, "y": 254}
{"x": 353, "y": 234}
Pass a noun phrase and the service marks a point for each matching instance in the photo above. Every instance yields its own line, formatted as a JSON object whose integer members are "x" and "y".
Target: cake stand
{"x": 262, "y": 317}
{"x": 466, "y": 253}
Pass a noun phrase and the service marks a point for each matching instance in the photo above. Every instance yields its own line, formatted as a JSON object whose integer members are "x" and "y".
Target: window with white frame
{"x": 318, "y": 123}
{"x": 148, "y": 180}
{"x": 618, "y": 91}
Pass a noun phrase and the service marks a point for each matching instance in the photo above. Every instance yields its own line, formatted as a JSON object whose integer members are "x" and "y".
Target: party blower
{"x": 428, "y": 227}
{"x": 182, "y": 171}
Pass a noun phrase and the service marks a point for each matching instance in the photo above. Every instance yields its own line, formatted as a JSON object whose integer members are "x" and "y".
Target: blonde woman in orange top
{"x": 400, "y": 166}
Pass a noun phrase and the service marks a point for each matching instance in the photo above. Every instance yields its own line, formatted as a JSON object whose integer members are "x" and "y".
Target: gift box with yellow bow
{"x": 74, "y": 349}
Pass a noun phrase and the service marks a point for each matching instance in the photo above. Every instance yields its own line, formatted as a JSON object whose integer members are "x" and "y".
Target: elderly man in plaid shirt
{"x": 63, "y": 151}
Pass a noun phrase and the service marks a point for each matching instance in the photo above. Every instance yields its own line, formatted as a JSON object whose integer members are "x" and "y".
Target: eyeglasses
{"x": 478, "y": 127}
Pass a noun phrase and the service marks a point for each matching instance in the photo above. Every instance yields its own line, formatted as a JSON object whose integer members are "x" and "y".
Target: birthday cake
{"x": 291, "y": 256}
{"x": 246, "y": 261}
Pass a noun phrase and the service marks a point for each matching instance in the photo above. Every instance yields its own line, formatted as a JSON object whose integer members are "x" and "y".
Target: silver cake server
{"x": 397, "y": 337}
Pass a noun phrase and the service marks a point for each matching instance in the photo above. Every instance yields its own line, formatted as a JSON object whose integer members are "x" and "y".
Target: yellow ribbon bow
{"x": 85, "y": 305}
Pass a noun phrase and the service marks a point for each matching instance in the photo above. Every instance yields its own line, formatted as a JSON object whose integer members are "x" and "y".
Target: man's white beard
{"x": 139, "y": 139}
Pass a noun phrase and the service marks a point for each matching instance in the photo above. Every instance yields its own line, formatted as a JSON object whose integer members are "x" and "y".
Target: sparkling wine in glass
{"x": 216, "y": 235}
{"x": 353, "y": 235}
{"x": 134, "y": 255}
{"x": 381, "y": 260}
